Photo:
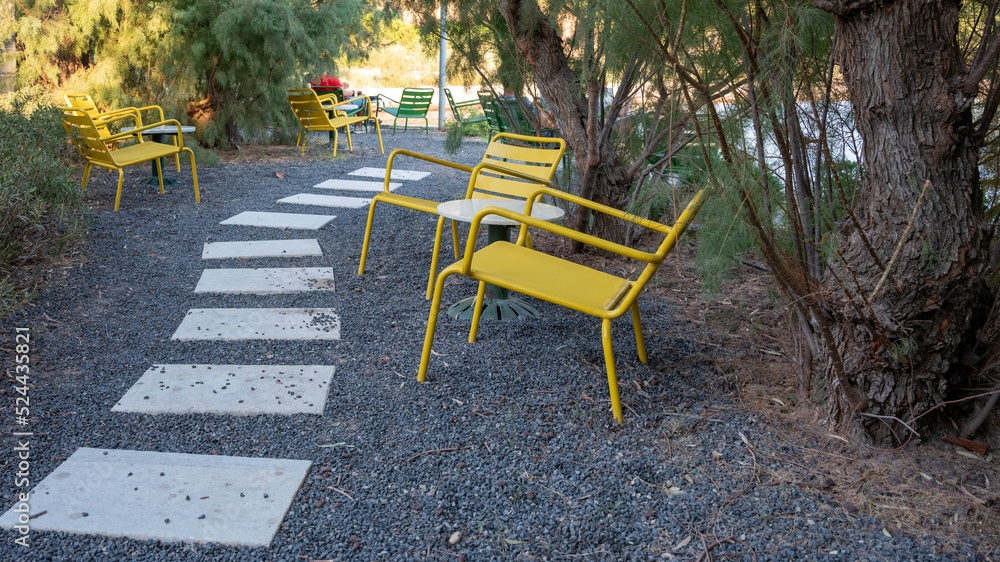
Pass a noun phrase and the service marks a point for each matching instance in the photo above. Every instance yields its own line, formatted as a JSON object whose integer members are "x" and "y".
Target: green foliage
{"x": 453, "y": 142}
{"x": 226, "y": 64}
{"x": 41, "y": 209}
{"x": 244, "y": 55}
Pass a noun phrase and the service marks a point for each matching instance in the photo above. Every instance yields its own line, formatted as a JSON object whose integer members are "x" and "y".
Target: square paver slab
{"x": 397, "y": 174}
{"x": 165, "y": 496}
{"x": 266, "y": 280}
{"x": 237, "y": 390}
{"x": 261, "y": 249}
{"x": 230, "y": 324}
{"x": 355, "y": 185}
{"x": 294, "y": 221}
{"x": 326, "y": 200}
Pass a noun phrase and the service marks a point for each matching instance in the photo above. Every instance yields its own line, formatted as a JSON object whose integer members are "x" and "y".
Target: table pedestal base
{"x": 494, "y": 309}
{"x": 154, "y": 181}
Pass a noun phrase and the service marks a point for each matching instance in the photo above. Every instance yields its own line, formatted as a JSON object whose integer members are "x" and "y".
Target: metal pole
{"x": 442, "y": 65}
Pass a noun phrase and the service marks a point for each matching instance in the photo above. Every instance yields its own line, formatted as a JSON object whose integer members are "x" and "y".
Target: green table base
{"x": 494, "y": 309}
{"x": 163, "y": 166}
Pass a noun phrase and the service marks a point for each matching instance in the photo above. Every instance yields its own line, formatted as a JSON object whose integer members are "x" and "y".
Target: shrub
{"x": 41, "y": 208}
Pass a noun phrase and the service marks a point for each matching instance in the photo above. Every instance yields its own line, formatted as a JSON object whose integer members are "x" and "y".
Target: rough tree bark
{"x": 603, "y": 177}
{"x": 905, "y": 336}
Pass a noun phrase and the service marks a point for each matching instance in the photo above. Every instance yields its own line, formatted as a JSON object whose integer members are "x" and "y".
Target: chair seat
{"x": 143, "y": 152}
{"x": 548, "y": 278}
{"x": 402, "y": 112}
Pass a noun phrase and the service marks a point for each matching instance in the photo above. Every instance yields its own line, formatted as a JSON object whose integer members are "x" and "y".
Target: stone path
{"x": 266, "y": 281}
{"x": 261, "y": 249}
{"x": 206, "y": 498}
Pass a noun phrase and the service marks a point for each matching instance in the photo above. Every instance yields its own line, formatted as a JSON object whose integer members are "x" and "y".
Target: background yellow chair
{"x": 94, "y": 148}
{"x": 553, "y": 279}
{"x": 314, "y": 114}
{"x": 523, "y": 160}
{"x": 104, "y": 118}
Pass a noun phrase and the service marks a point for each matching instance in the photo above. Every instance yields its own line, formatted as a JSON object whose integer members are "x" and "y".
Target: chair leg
{"x": 368, "y": 236}
{"x": 609, "y": 364}
{"x": 434, "y": 256}
{"x": 350, "y": 145}
{"x": 194, "y": 174}
{"x": 477, "y": 312}
{"x": 431, "y": 325}
{"x": 159, "y": 174}
{"x": 454, "y": 238}
{"x": 335, "y": 141}
{"x": 118, "y": 195}
{"x": 378, "y": 130}
{"x": 86, "y": 176}
{"x": 640, "y": 342}
{"x": 305, "y": 138}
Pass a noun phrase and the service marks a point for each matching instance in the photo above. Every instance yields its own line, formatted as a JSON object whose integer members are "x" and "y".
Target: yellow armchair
{"x": 512, "y": 167}
{"x": 320, "y": 113}
{"x": 516, "y": 267}
{"x": 93, "y": 147}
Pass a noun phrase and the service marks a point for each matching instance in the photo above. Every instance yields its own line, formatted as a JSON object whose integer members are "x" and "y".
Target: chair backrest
{"x": 337, "y": 91}
{"x": 307, "y": 108}
{"x": 534, "y": 156}
{"x": 86, "y": 136}
{"x": 451, "y": 104}
{"x": 415, "y": 102}
{"x": 489, "y": 105}
{"x": 672, "y": 234}
{"x": 510, "y": 115}
{"x": 84, "y": 102}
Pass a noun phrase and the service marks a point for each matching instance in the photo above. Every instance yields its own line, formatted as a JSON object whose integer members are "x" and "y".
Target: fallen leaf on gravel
{"x": 585, "y": 397}
{"x": 716, "y": 456}
{"x": 280, "y": 175}
{"x": 886, "y": 532}
{"x": 683, "y": 543}
{"x": 512, "y": 541}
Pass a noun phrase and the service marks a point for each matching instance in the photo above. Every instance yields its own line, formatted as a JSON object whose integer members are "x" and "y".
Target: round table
{"x": 497, "y": 304}
{"x": 157, "y": 134}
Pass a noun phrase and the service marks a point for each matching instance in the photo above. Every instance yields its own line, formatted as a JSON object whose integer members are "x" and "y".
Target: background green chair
{"x": 413, "y": 104}
{"x": 456, "y": 108}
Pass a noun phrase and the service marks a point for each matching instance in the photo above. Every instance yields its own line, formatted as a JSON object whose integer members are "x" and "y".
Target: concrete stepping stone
{"x": 354, "y": 185}
{"x": 230, "y": 324}
{"x": 293, "y": 221}
{"x": 397, "y": 174}
{"x": 168, "y": 497}
{"x": 237, "y": 390}
{"x": 326, "y": 200}
{"x": 266, "y": 280}
{"x": 261, "y": 249}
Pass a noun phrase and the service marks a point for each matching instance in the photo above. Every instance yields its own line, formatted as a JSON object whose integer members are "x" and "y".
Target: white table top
{"x": 164, "y": 130}
{"x": 465, "y": 210}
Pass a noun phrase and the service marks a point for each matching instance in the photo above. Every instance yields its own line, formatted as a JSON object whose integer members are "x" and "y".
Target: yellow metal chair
{"x": 93, "y": 147}
{"x": 509, "y": 169}
{"x": 104, "y": 118}
{"x": 553, "y": 279}
{"x": 320, "y": 113}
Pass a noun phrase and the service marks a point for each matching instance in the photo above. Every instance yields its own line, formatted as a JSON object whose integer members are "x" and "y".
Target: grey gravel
{"x": 510, "y": 445}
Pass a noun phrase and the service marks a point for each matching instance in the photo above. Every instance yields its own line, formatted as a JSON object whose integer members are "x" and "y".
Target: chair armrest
{"x": 419, "y": 156}
{"x": 384, "y": 97}
{"x": 138, "y": 130}
{"x": 467, "y": 103}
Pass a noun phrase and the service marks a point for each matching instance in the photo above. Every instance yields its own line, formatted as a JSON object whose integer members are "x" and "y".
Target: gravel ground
{"x": 510, "y": 444}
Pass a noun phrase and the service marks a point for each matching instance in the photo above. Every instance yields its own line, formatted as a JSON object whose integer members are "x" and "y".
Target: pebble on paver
{"x": 228, "y": 324}
{"x": 261, "y": 249}
{"x": 326, "y": 200}
{"x": 266, "y": 281}
{"x": 142, "y": 495}
{"x": 240, "y": 390}
{"x": 355, "y": 185}
{"x": 397, "y": 174}
{"x": 294, "y": 221}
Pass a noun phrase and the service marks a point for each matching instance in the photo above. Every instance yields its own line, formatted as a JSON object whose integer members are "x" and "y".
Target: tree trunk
{"x": 603, "y": 177}
{"x": 903, "y": 336}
